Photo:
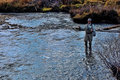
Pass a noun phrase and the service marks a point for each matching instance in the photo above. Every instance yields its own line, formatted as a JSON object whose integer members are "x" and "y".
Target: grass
{"x": 63, "y": 6}
{"x": 46, "y": 9}
{"x": 78, "y": 16}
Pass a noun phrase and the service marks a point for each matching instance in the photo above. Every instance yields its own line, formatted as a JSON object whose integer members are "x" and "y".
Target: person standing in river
{"x": 89, "y": 33}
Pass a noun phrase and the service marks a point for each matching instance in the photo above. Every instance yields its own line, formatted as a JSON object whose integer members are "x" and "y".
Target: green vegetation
{"x": 63, "y": 6}
{"x": 46, "y": 9}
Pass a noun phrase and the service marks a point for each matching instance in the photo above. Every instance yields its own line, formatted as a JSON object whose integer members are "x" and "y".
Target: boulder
{"x": 116, "y": 72}
{"x": 5, "y": 26}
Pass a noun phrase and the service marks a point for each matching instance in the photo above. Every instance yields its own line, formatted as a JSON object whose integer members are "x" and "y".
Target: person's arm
{"x": 85, "y": 27}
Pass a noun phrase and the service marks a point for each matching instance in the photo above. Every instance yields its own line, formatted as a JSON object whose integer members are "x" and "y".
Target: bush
{"x": 6, "y": 7}
{"x": 103, "y": 16}
{"x": 110, "y": 16}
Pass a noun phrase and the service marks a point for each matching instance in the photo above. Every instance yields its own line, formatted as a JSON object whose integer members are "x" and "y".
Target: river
{"x": 39, "y": 53}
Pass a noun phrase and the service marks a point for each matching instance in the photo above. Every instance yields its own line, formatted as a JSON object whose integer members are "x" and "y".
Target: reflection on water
{"x": 48, "y": 55}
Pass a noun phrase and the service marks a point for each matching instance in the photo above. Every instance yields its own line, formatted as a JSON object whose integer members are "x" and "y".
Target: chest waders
{"x": 88, "y": 39}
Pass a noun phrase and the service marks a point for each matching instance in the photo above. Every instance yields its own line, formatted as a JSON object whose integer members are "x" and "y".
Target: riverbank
{"x": 80, "y": 11}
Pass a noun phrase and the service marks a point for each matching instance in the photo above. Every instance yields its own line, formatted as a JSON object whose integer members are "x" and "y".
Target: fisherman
{"x": 89, "y": 33}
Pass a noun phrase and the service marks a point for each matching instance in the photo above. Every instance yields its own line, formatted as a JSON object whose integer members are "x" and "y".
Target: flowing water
{"x": 48, "y": 54}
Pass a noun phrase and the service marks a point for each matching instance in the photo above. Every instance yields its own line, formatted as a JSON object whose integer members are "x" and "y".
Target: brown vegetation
{"x": 102, "y": 11}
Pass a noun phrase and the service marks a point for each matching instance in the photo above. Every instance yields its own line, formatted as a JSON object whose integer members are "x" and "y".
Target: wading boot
{"x": 90, "y": 49}
{"x": 86, "y": 48}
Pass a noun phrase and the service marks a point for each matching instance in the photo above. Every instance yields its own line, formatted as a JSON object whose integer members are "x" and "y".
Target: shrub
{"x": 99, "y": 16}
{"x": 6, "y": 7}
{"x": 110, "y": 16}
